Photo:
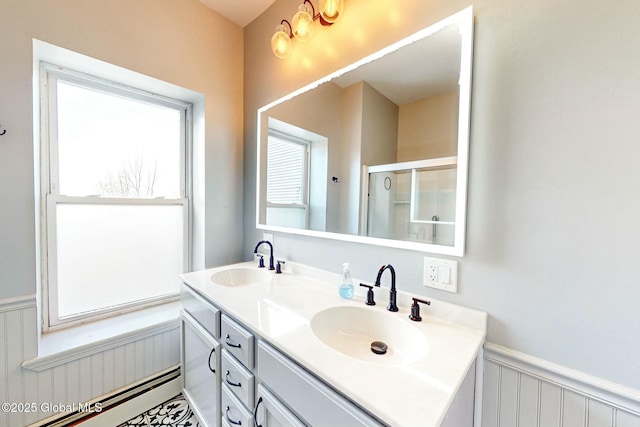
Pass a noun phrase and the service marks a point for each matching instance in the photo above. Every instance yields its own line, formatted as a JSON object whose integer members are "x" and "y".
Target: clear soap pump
{"x": 346, "y": 284}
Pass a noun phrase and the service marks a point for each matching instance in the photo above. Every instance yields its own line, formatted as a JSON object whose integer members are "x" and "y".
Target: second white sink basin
{"x": 241, "y": 277}
{"x": 351, "y": 331}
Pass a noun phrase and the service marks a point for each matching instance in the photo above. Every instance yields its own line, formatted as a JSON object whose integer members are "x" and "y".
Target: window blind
{"x": 286, "y": 169}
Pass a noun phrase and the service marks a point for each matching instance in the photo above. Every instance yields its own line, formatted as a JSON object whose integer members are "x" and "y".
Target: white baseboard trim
{"x": 608, "y": 392}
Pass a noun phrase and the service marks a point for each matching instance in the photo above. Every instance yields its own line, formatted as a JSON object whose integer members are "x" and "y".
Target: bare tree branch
{"x": 132, "y": 180}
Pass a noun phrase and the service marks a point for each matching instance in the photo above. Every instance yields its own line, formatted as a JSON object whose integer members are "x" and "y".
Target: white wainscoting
{"x": 522, "y": 391}
{"x": 75, "y": 381}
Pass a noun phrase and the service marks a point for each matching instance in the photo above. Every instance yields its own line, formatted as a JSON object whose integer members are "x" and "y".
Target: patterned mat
{"x": 174, "y": 412}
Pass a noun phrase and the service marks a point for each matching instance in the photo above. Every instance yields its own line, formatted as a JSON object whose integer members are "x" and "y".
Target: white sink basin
{"x": 241, "y": 277}
{"x": 351, "y": 330}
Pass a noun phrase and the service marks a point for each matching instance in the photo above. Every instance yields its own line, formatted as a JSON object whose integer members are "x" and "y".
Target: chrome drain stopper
{"x": 378, "y": 347}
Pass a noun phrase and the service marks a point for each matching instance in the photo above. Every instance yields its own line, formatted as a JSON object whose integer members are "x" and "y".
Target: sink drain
{"x": 378, "y": 347}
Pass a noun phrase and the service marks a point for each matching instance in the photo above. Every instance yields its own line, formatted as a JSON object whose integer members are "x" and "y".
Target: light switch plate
{"x": 441, "y": 274}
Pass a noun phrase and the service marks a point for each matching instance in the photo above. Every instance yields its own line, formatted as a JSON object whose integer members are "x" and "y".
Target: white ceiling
{"x": 241, "y": 12}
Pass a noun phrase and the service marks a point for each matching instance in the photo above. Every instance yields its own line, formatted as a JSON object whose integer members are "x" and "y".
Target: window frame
{"x": 306, "y": 168}
{"x": 50, "y": 195}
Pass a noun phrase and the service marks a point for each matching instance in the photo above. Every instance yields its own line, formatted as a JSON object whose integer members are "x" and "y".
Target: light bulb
{"x": 302, "y": 23}
{"x": 281, "y": 42}
{"x": 331, "y": 10}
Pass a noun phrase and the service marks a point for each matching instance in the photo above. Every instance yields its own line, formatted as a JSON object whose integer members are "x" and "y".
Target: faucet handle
{"x": 279, "y": 266}
{"x": 370, "y": 300}
{"x": 415, "y": 309}
{"x": 260, "y": 261}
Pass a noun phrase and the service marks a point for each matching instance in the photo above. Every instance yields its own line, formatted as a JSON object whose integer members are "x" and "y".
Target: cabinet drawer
{"x": 314, "y": 402}
{"x": 205, "y": 313}
{"x": 233, "y": 411}
{"x": 237, "y": 340}
{"x": 238, "y": 378}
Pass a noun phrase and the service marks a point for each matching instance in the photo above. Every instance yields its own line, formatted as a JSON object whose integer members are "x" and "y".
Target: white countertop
{"x": 412, "y": 394}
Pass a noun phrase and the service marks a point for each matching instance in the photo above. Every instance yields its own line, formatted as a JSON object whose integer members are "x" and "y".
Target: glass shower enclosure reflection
{"x": 413, "y": 201}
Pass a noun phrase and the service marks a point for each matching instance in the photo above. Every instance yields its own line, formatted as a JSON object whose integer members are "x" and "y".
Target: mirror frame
{"x": 464, "y": 19}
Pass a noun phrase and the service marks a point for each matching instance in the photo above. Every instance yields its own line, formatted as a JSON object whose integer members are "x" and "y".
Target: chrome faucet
{"x": 255, "y": 251}
{"x": 392, "y": 294}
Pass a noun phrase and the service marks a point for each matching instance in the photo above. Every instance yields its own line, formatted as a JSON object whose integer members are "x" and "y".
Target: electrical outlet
{"x": 431, "y": 271}
{"x": 441, "y": 274}
{"x": 268, "y": 237}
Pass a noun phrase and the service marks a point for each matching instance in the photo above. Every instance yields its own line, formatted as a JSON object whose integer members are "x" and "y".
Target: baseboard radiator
{"x": 111, "y": 400}
{"x": 522, "y": 391}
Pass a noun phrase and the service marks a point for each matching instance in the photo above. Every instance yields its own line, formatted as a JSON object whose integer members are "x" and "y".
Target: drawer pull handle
{"x": 213, "y": 350}
{"x": 235, "y": 423}
{"x": 226, "y": 377}
{"x": 255, "y": 413}
{"x": 230, "y": 344}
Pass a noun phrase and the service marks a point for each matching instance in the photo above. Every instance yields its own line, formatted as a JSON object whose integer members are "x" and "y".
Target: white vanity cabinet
{"x": 249, "y": 358}
{"x": 200, "y": 355}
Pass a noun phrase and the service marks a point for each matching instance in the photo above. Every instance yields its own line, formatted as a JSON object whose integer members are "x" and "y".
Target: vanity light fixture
{"x": 302, "y": 22}
{"x": 281, "y": 40}
{"x": 301, "y": 25}
{"x": 331, "y": 10}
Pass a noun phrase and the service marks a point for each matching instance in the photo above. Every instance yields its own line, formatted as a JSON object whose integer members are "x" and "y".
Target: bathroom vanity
{"x": 267, "y": 349}
{"x": 285, "y": 349}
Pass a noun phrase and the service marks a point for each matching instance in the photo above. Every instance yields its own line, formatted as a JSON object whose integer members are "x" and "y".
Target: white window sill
{"x": 60, "y": 347}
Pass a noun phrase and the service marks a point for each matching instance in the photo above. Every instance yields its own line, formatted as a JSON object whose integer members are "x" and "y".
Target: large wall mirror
{"x": 377, "y": 152}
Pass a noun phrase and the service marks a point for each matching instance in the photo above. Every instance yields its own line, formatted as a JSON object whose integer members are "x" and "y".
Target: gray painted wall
{"x": 173, "y": 42}
{"x": 176, "y": 42}
{"x": 553, "y": 187}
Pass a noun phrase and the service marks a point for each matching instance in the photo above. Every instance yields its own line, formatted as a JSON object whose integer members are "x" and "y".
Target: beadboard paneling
{"x": 75, "y": 381}
{"x": 515, "y": 396}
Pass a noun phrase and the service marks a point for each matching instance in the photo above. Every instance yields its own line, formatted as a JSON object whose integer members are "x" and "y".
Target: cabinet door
{"x": 200, "y": 370}
{"x": 460, "y": 413}
{"x": 270, "y": 412}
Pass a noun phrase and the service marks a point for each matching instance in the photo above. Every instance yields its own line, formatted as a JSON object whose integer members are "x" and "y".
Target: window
{"x": 287, "y": 180}
{"x": 114, "y": 196}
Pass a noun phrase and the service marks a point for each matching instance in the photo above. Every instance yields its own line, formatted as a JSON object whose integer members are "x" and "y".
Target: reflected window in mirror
{"x": 296, "y": 177}
{"x": 287, "y": 180}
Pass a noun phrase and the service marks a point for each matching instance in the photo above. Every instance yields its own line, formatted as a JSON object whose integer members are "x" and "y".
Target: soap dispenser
{"x": 346, "y": 284}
